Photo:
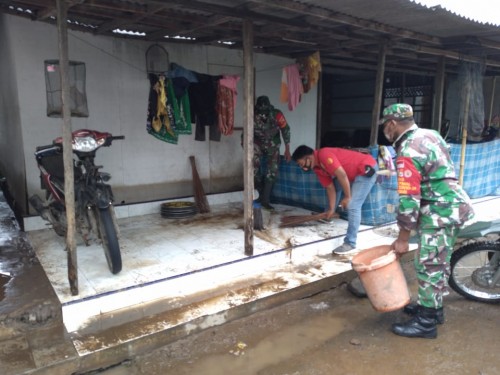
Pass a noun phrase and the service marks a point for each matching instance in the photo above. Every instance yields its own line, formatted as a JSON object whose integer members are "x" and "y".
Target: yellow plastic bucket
{"x": 382, "y": 277}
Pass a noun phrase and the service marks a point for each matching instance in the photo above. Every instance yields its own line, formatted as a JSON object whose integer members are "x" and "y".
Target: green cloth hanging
{"x": 181, "y": 110}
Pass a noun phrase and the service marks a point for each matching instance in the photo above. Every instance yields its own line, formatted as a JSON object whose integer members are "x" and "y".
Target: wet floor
{"x": 332, "y": 333}
{"x": 328, "y": 333}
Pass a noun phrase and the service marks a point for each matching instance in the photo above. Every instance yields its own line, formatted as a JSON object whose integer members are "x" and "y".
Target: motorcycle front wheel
{"x": 109, "y": 239}
{"x": 473, "y": 268}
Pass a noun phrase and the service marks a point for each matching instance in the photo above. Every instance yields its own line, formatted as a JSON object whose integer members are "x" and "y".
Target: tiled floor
{"x": 169, "y": 259}
{"x": 155, "y": 248}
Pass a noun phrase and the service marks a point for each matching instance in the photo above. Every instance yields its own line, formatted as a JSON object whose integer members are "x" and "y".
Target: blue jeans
{"x": 360, "y": 188}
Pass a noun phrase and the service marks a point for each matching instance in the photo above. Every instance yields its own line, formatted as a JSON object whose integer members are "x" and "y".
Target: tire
{"x": 109, "y": 240}
{"x": 471, "y": 269}
{"x": 178, "y": 210}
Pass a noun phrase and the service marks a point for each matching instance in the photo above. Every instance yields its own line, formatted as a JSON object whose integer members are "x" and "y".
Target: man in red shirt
{"x": 348, "y": 177}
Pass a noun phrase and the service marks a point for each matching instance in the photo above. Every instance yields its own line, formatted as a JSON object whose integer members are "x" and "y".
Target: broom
{"x": 290, "y": 221}
{"x": 199, "y": 194}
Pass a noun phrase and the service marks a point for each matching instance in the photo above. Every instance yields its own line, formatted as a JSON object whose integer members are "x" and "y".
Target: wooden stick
{"x": 199, "y": 194}
{"x": 288, "y": 221}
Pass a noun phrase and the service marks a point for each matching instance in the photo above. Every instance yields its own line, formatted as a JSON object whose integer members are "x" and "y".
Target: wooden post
{"x": 464, "y": 136}
{"x": 492, "y": 100}
{"x": 248, "y": 95}
{"x": 437, "y": 110}
{"x": 379, "y": 86}
{"x": 69, "y": 188}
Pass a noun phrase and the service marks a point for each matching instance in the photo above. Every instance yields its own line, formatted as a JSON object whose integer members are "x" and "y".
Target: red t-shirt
{"x": 331, "y": 158}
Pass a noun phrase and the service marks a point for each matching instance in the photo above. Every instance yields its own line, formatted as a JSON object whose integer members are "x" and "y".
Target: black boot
{"x": 266, "y": 196}
{"x": 413, "y": 307}
{"x": 423, "y": 324}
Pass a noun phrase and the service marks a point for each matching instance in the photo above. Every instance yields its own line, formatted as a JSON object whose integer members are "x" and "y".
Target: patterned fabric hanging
{"x": 310, "y": 68}
{"x": 226, "y": 103}
{"x": 160, "y": 120}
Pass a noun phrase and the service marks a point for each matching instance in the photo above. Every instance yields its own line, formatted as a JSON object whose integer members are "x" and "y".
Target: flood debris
{"x": 239, "y": 350}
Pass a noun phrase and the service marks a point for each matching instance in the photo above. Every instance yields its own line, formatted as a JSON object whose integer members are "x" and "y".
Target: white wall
{"x": 143, "y": 167}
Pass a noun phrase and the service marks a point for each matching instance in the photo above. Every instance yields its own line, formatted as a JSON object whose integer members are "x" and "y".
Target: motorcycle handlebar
{"x": 110, "y": 140}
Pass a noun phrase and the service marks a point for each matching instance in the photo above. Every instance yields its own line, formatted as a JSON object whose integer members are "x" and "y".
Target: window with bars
{"x": 416, "y": 91}
{"x": 77, "y": 94}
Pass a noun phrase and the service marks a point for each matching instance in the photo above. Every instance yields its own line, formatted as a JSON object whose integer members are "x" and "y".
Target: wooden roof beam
{"x": 345, "y": 19}
{"x": 445, "y": 53}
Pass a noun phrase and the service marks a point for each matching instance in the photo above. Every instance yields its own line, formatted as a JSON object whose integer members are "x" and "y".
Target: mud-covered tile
{"x": 15, "y": 356}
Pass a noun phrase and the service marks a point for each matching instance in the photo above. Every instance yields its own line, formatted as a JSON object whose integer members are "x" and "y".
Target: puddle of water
{"x": 274, "y": 349}
{"x": 4, "y": 280}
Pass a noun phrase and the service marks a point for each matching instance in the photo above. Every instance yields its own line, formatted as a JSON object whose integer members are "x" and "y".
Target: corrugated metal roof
{"x": 481, "y": 11}
{"x": 348, "y": 33}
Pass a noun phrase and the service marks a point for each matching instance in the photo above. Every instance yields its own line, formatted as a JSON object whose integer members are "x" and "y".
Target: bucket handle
{"x": 382, "y": 261}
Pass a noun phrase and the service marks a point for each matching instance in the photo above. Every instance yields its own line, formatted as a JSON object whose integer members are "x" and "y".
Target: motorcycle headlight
{"x": 86, "y": 144}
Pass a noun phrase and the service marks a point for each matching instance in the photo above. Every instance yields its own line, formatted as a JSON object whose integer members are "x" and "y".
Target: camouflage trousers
{"x": 432, "y": 264}
{"x": 268, "y": 172}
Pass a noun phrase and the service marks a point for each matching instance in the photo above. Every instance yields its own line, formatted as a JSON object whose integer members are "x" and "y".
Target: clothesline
{"x": 181, "y": 96}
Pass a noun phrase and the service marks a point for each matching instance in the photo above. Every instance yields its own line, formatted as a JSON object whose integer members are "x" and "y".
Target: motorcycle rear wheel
{"x": 109, "y": 240}
{"x": 472, "y": 271}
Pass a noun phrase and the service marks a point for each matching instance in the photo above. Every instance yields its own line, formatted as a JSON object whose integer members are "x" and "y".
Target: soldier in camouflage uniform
{"x": 431, "y": 202}
{"x": 269, "y": 124}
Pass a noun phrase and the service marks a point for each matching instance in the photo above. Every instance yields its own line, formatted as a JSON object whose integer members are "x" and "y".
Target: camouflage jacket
{"x": 267, "y": 129}
{"x": 429, "y": 193}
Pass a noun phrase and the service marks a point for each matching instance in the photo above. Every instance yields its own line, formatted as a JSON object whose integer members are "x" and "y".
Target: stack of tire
{"x": 178, "y": 210}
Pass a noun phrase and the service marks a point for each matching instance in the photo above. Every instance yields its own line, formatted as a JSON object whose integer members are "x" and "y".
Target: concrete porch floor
{"x": 182, "y": 276}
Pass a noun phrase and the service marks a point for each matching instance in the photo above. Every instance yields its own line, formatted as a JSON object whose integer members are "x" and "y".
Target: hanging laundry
{"x": 177, "y": 71}
{"x": 202, "y": 97}
{"x": 226, "y": 103}
{"x": 309, "y": 68}
{"x": 178, "y": 96}
{"x": 284, "y": 87}
{"x": 160, "y": 120}
{"x": 293, "y": 84}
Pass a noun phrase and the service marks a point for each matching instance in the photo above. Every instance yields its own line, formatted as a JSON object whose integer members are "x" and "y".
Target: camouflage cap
{"x": 398, "y": 111}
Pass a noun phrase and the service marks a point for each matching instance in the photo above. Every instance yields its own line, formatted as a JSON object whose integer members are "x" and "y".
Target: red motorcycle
{"x": 94, "y": 211}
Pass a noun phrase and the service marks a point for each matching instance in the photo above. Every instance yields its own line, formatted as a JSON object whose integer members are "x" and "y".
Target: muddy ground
{"x": 333, "y": 332}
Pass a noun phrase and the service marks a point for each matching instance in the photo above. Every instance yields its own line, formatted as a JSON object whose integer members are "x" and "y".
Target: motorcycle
{"x": 94, "y": 212}
{"x": 475, "y": 264}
